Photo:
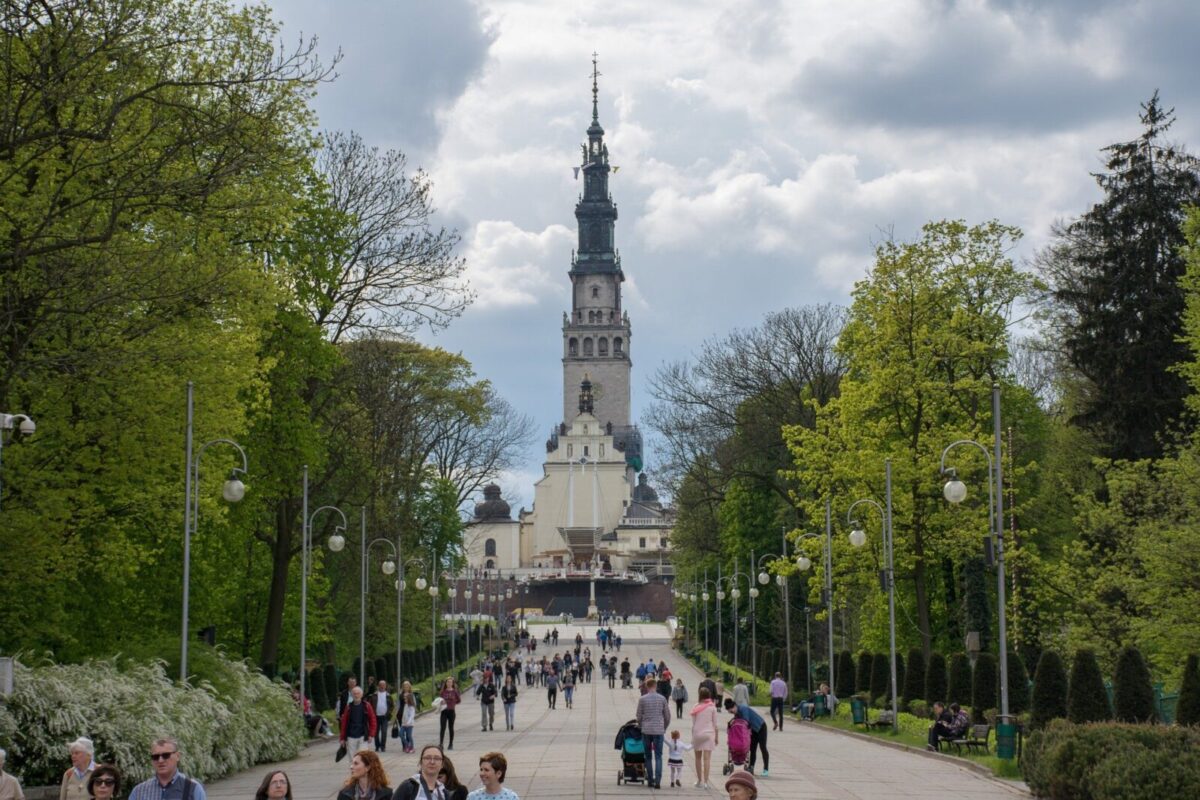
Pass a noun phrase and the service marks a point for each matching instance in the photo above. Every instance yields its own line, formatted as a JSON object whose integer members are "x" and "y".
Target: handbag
{"x": 395, "y": 730}
{"x": 341, "y": 753}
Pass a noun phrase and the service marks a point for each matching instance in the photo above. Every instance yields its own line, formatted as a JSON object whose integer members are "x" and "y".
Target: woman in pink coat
{"x": 704, "y": 736}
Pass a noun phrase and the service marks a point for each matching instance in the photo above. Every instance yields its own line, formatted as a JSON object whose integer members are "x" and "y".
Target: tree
{"x": 1049, "y": 690}
{"x": 958, "y": 688}
{"x": 1018, "y": 684}
{"x": 845, "y": 685}
{"x": 1187, "y": 708}
{"x": 1114, "y": 276}
{"x": 862, "y": 674}
{"x": 935, "y": 679}
{"x": 984, "y": 685}
{"x": 900, "y": 679}
{"x": 1087, "y": 700}
{"x": 1133, "y": 694}
{"x": 914, "y": 678}
{"x": 880, "y": 676}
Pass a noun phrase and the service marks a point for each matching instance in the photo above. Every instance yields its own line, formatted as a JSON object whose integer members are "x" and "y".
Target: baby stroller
{"x": 633, "y": 753}
{"x": 738, "y": 737}
{"x": 626, "y": 680}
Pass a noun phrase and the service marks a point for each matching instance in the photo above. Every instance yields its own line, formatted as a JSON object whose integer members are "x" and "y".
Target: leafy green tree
{"x": 914, "y": 677}
{"x": 1114, "y": 274}
{"x": 1049, "y": 690}
{"x": 1187, "y": 708}
{"x": 958, "y": 687}
{"x": 1018, "y": 684}
{"x": 1133, "y": 694}
{"x": 935, "y": 679}
{"x": 984, "y": 686}
{"x": 1087, "y": 700}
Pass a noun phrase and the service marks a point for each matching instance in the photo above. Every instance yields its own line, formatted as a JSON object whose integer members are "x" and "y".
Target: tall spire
{"x": 595, "y": 90}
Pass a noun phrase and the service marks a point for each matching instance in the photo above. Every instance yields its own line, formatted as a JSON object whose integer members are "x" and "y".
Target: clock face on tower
{"x": 597, "y": 390}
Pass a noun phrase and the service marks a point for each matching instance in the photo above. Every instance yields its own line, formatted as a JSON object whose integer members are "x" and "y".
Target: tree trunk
{"x": 281, "y": 558}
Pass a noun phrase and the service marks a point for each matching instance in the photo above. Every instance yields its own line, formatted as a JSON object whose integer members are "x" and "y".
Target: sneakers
{"x": 699, "y": 784}
{"x": 765, "y": 774}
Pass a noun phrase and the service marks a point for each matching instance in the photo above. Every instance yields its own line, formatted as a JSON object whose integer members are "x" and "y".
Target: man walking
{"x": 358, "y": 722}
{"x": 74, "y": 784}
{"x": 487, "y": 703}
{"x": 384, "y": 706}
{"x": 741, "y": 692}
{"x": 344, "y": 698}
{"x": 653, "y": 716}
{"x": 779, "y": 690}
{"x": 168, "y": 782}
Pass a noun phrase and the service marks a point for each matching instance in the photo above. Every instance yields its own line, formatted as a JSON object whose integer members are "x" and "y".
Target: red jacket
{"x": 372, "y": 723}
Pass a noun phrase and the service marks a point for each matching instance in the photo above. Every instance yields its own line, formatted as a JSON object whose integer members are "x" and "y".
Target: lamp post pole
{"x": 402, "y": 587}
{"x": 955, "y": 492}
{"x": 764, "y": 579}
{"x": 336, "y": 544}
{"x": 804, "y": 563}
{"x": 720, "y": 597}
{"x": 734, "y": 593}
{"x": 233, "y": 491}
{"x": 858, "y": 538}
{"x": 753, "y": 627}
{"x": 306, "y": 550}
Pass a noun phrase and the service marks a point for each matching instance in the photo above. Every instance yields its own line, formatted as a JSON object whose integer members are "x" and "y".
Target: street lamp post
{"x": 233, "y": 491}
{"x": 305, "y": 550}
{"x": 706, "y": 596}
{"x": 764, "y": 579}
{"x": 955, "y": 491}
{"x": 858, "y": 538}
{"x": 336, "y": 543}
{"x": 402, "y": 587}
{"x": 22, "y": 424}
{"x": 734, "y": 593}
{"x": 804, "y": 563}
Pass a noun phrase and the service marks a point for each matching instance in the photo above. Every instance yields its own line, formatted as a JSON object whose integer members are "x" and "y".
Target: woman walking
{"x": 275, "y": 786}
{"x": 492, "y": 769}
{"x": 705, "y": 736}
{"x": 426, "y": 784}
{"x": 451, "y": 698}
{"x": 508, "y": 696}
{"x": 367, "y": 779}
{"x": 680, "y": 696}
{"x": 408, "y": 717}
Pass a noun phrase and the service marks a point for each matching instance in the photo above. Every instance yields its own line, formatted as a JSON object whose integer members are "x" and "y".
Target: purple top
{"x": 778, "y": 688}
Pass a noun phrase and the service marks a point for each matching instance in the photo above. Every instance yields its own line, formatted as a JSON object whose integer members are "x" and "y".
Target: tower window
{"x": 489, "y": 547}
{"x": 570, "y": 450}
{"x": 602, "y": 345}
{"x": 573, "y": 346}
{"x": 585, "y": 450}
{"x": 595, "y": 291}
{"x": 617, "y": 346}
{"x": 587, "y": 346}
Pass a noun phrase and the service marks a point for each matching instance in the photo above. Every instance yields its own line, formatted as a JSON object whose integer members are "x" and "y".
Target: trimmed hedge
{"x": 914, "y": 677}
{"x": 1087, "y": 700}
{"x": 958, "y": 690}
{"x": 1112, "y": 761}
{"x": 1018, "y": 684}
{"x": 985, "y": 681}
{"x": 1187, "y": 710}
{"x": 845, "y": 674}
{"x": 935, "y": 679}
{"x": 1049, "y": 690}
{"x": 881, "y": 670}
{"x": 1133, "y": 694}
{"x": 862, "y": 675}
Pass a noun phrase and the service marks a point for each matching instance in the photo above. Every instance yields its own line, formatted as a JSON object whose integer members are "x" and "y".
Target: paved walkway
{"x": 568, "y": 753}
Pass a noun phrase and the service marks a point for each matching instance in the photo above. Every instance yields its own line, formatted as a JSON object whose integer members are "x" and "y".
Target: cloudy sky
{"x": 765, "y": 146}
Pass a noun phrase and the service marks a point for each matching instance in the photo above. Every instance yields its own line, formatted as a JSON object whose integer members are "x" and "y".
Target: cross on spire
{"x": 595, "y": 89}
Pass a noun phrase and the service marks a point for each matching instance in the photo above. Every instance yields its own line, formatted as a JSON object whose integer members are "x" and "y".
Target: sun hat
{"x": 742, "y": 778}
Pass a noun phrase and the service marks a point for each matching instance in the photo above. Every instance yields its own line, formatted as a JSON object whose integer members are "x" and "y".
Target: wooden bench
{"x": 976, "y": 737}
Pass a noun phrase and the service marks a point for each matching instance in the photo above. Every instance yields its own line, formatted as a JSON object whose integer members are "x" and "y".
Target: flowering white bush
{"x": 236, "y": 719}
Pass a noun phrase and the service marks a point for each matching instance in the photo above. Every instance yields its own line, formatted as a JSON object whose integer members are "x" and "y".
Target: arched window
{"x": 489, "y": 547}
{"x": 587, "y": 346}
{"x": 490, "y": 564}
{"x": 617, "y": 346}
{"x": 572, "y": 346}
{"x": 602, "y": 346}
{"x": 595, "y": 291}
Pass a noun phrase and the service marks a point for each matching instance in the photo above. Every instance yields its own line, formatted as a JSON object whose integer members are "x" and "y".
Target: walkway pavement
{"x": 568, "y": 753}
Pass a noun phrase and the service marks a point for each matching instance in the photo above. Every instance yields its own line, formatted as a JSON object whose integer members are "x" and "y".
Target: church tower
{"x": 596, "y": 331}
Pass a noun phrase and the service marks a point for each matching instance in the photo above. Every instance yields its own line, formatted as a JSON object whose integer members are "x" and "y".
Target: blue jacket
{"x": 751, "y": 716}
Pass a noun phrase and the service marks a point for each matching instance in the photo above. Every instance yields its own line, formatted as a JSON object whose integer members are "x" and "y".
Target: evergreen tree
{"x": 899, "y": 679}
{"x": 984, "y": 684}
{"x": 862, "y": 674}
{"x": 979, "y": 612}
{"x": 1018, "y": 685}
{"x": 845, "y": 674}
{"x": 315, "y": 689}
{"x": 881, "y": 670}
{"x": 1114, "y": 274}
{"x": 1133, "y": 694}
{"x": 914, "y": 677}
{"x": 1049, "y": 689}
{"x": 935, "y": 679}
{"x": 1087, "y": 700}
{"x": 958, "y": 688}
{"x": 1187, "y": 709}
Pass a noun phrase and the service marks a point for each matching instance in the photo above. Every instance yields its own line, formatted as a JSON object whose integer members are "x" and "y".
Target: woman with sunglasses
{"x": 367, "y": 779}
{"x": 105, "y": 782}
{"x": 275, "y": 786}
{"x": 449, "y": 778}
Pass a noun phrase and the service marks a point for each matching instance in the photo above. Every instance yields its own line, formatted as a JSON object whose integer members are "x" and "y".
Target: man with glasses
{"x": 168, "y": 782}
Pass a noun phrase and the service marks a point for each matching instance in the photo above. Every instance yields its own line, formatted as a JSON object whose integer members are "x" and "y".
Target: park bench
{"x": 976, "y": 737}
{"x": 882, "y": 720}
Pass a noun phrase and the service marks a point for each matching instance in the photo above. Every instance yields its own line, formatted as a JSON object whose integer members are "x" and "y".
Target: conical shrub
{"x": 1087, "y": 700}
{"x": 899, "y": 678}
{"x": 845, "y": 674}
{"x": 880, "y": 674}
{"x": 1133, "y": 694}
{"x": 1187, "y": 709}
{"x": 935, "y": 679}
{"x": 1018, "y": 685}
{"x": 958, "y": 688}
{"x": 1049, "y": 690}
{"x": 862, "y": 673}
{"x": 914, "y": 676}
{"x": 984, "y": 684}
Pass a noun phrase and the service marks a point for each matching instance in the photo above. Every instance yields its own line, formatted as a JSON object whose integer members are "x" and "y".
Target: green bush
{"x": 862, "y": 674}
{"x": 1018, "y": 685}
{"x": 984, "y": 681}
{"x": 958, "y": 689}
{"x": 935, "y": 678}
{"x": 1087, "y": 700}
{"x": 1066, "y": 761}
{"x": 918, "y": 708}
{"x": 845, "y": 674}
{"x": 1049, "y": 690}
{"x": 1187, "y": 710}
{"x": 1133, "y": 694}
{"x": 227, "y": 722}
{"x": 899, "y": 678}
{"x": 880, "y": 676}
{"x": 914, "y": 676}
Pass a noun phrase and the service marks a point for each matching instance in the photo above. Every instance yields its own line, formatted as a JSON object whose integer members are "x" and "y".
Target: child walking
{"x": 675, "y": 750}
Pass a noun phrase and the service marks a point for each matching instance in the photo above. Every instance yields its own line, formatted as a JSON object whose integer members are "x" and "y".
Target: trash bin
{"x": 1006, "y": 740}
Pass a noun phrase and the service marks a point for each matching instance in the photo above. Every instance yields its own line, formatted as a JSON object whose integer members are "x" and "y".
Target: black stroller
{"x": 633, "y": 753}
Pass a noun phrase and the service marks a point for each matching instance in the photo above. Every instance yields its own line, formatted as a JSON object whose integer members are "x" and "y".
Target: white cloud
{"x": 508, "y": 266}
